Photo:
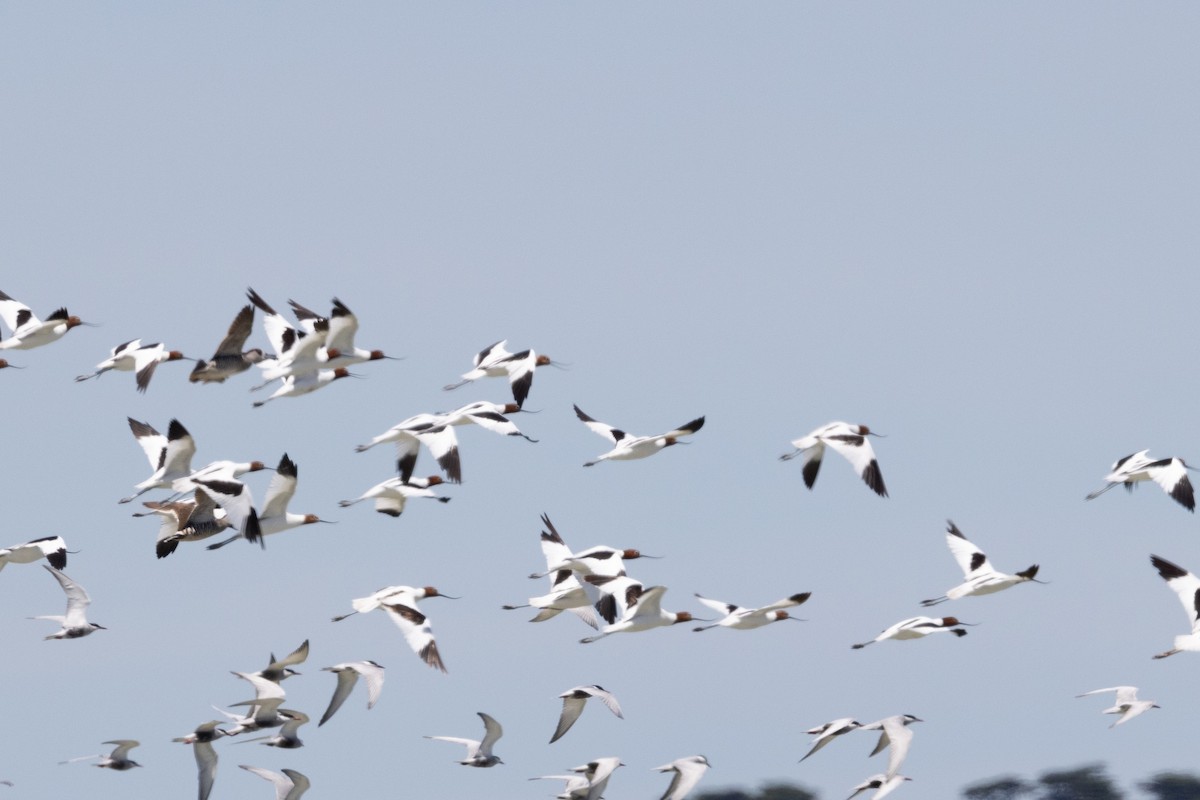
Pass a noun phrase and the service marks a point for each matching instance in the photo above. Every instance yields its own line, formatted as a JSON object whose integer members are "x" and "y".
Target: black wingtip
{"x": 874, "y": 479}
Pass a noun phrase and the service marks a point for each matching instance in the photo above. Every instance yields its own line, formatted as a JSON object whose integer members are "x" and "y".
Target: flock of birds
{"x": 592, "y": 583}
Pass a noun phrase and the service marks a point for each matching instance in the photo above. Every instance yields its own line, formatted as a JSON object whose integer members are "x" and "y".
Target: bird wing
{"x": 720, "y": 606}
{"x": 145, "y": 359}
{"x": 520, "y": 367}
{"x": 297, "y": 656}
{"x": 1171, "y": 475}
{"x": 1185, "y": 585}
{"x": 15, "y": 313}
{"x": 234, "y": 497}
{"x": 614, "y": 435}
{"x": 900, "y": 737}
{"x": 343, "y": 325}
{"x": 239, "y": 331}
{"x": 443, "y": 446}
{"x": 1124, "y": 693}
{"x": 123, "y": 746}
{"x": 787, "y": 602}
{"x": 688, "y": 772}
{"x": 649, "y": 602}
{"x": 346, "y": 678}
{"x": 491, "y": 732}
{"x": 282, "y": 783}
{"x": 263, "y": 688}
{"x": 417, "y": 632}
{"x": 572, "y": 708}
{"x": 151, "y": 441}
{"x": 812, "y": 463}
{"x": 77, "y": 598}
{"x": 300, "y": 784}
{"x": 971, "y": 560}
{"x": 685, "y": 429}
{"x": 372, "y": 674}
{"x": 281, "y": 489}
{"x": 856, "y": 449}
{"x": 180, "y": 447}
{"x": 491, "y": 354}
{"x": 206, "y": 763}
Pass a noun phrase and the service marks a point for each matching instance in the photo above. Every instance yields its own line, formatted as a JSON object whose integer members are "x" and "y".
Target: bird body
{"x": 391, "y": 496}
{"x": 274, "y": 516}
{"x": 27, "y": 330}
{"x": 432, "y": 430}
{"x": 494, "y": 361}
{"x": 118, "y": 759}
{"x": 743, "y": 619}
{"x": 400, "y": 602}
{"x": 916, "y": 628}
{"x": 644, "y": 614}
{"x": 627, "y": 447}
{"x": 74, "y": 623}
{"x": 51, "y": 548}
{"x": 133, "y": 356}
{"x": 829, "y": 731}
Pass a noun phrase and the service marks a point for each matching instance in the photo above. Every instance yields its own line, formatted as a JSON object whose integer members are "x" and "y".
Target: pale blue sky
{"x": 969, "y": 227}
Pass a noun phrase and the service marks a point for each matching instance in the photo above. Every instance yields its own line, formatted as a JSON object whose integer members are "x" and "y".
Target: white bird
{"x": 1187, "y": 587}
{"x": 224, "y": 470}
{"x": 573, "y": 702}
{"x": 643, "y": 609}
{"x": 27, "y": 330}
{"x": 74, "y": 623}
{"x": 265, "y": 711}
{"x": 895, "y": 736}
{"x": 494, "y": 361}
{"x": 185, "y": 521}
{"x": 118, "y": 759}
{"x": 289, "y": 785}
{"x": 400, "y": 602}
{"x": 575, "y": 786}
{"x": 882, "y": 782}
{"x": 489, "y": 416}
{"x": 598, "y": 772}
{"x": 829, "y": 731}
{"x": 917, "y": 627}
{"x": 743, "y": 619}
{"x": 479, "y": 753}
{"x": 347, "y": 675}
{"x": 132, "y": 356}
{"x": 229, "y": 359}
{"x": 392, "y": 495}
{"x": 1127, "y": 704}
{"x": 848, "y": 441}
{"x": 274, "y": 517}
{"x": 628, "y": 447}
{"x": 170, "y": 456}
{"x": 51, "y": 548}
{"x": 688, "y": 772}
{"x": 433, "y": 431}
{"x": 980, "y": 577}
{"x": 1169, "y": 473}
{"x": 206, "y": 757}
{"x": 297, "y": 385}
{"x": 295, "y": 349}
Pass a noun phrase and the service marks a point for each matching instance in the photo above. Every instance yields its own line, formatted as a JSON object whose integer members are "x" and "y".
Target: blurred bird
{"x": 688, "y": 772}
{"x": 573, "y": 702}
{"x": 339, "y": 349}
{"x": 274, "y": 517}
{"x": 829, "y": 731}
{"x": 74, "y": 623}
{"x": 980, "y": 577}
{"x": 400, "y": 602}
{"x": 347, "y": 675}
{"x": 185, "y": 521}
{"x": 27, "y": 330}
{"x": 848, "y": 441}
{"x": 895, "y": 736}
{"x": 882, "y": 782}
{"x": 432, "y": 430}
{"x": 229, "y": 359}
{"x": 288, "y": 737}
{"x": 479, "y": 753}
{"x": 132, "y": 356}
{"x": 598, "y": 772}
{"x": 743, "y": 619}
{"x": 170, "y": 456}
{"x": 643, "y": 614}
{"x": 1169, "y": 473}
{"x": 289, "y": 785}
{"x": 391, "y": 496}
{"x": 628, "y": 447}
{"x": 118, "y": 759}
{"x": 1127, "y": 704}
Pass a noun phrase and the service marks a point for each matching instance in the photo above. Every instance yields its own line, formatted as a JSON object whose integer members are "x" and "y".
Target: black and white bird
{"x": 27, "y": 330}
{"x": 979, "y": 576}
{"x": 479, "y": 753}
{"x": 348, "y": 674}
{"x": 51, "y": 548}
{"x": 886, "y": 785}
{"x": 133, "y": 356}
{"x": 229, "y": 359}
{"x": 627, "y": 447}
{"x": 744, "y": 619}
{"x": 434, "y": 431}
{"x": 274, "y": 516}
{"x": 74, "y": 623}
{"x": 170, "y": 456}
{"x": 494, "y": 361}
{"x": 392, "y": 495}
{"x": 916, "y": 628}
{"x": 1169, "y": 473}
{"x": 575, "y": 699}
{"x": 400, "y": 603}
{"x": 848, "y": 441}
{"x": 118, "y": 759}
{"x": 1187, "y": 588}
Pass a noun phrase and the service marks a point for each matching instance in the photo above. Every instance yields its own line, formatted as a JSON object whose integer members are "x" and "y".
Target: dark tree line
{"x": 1089, "y": 782}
